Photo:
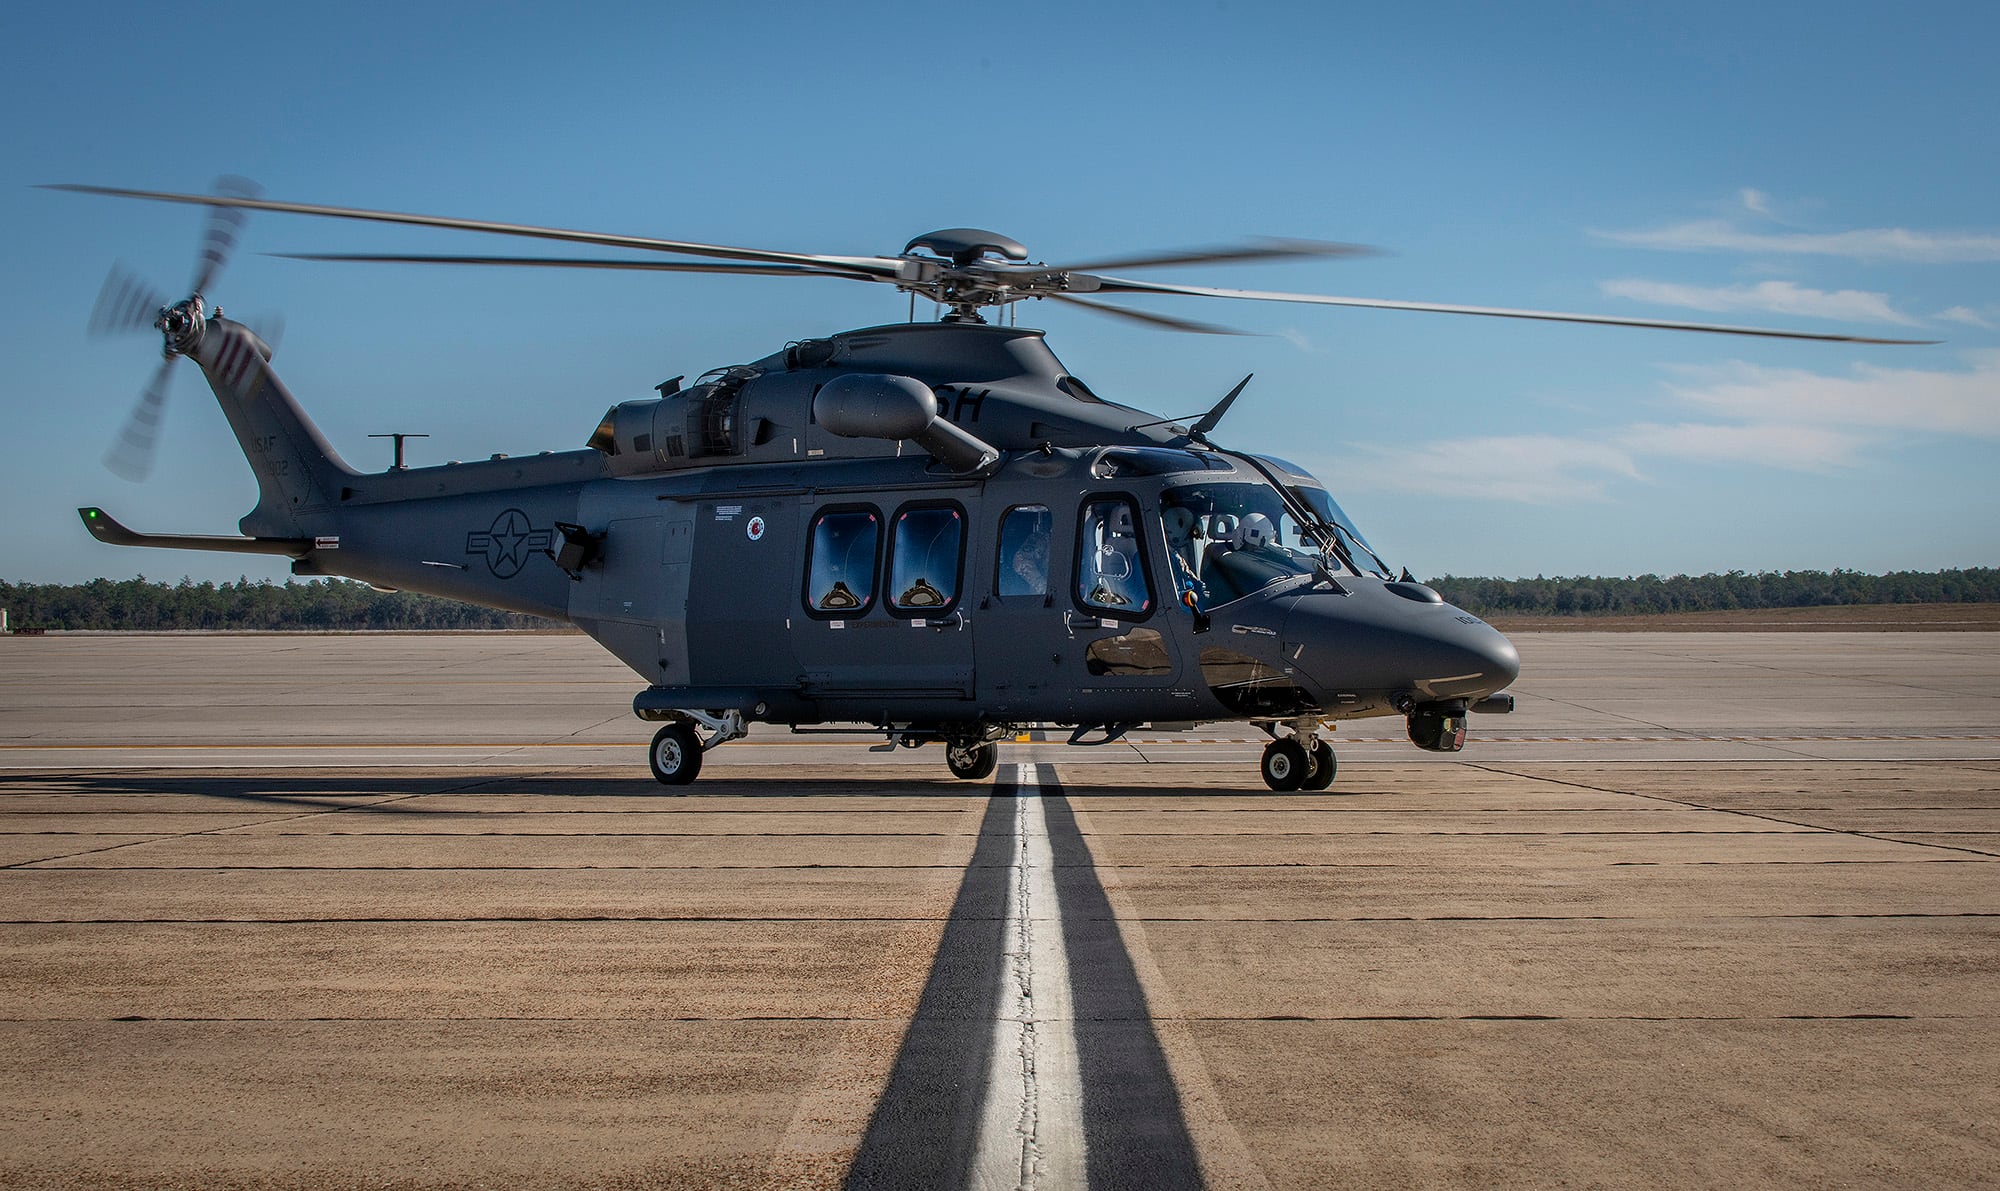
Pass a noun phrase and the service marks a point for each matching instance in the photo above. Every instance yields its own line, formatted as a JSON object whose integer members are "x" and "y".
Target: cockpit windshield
{"x": 1333, "y": 517}
{"x": 1227, "y": 540}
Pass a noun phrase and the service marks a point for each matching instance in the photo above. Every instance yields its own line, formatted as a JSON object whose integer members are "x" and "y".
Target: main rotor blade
{"x": 1112, "y": 285}
{"x": 132, "y": 455}
{"x": 223, "y": 224}
{"x": 125, "y": 304}
{"x": 1264, "y": 248}
{"x": 548, "y": 262}
{"x": 871, "y": 265}
{"x": 1150, "y": 319}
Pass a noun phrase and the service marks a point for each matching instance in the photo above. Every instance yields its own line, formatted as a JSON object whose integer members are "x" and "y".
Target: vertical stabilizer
{"x": 299, "y": 476}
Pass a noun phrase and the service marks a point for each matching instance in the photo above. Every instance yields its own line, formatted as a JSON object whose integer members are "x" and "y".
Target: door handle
{"x": 1071, "y": 620}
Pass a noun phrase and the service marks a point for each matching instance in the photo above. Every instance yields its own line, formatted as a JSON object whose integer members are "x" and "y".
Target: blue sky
{"x": 1822, "y": 167}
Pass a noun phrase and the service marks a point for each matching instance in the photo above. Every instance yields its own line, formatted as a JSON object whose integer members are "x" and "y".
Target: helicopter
{"x": 932, "y": 530}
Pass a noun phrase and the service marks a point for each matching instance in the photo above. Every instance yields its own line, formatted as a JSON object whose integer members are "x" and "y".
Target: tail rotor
{"x": 127, "y": 303}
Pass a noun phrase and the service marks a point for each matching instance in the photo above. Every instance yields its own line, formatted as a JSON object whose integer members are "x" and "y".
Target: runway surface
{"x": 407, "y": 912}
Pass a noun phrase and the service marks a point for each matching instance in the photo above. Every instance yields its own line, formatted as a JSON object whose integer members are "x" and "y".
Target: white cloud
{"x": 1775, "y": 297}
{"x": 1966, "y": 315}
{"x": 1965, "y": 403}
{"x": 1770, "y": 417}
{"x": 1888, "y": 243}
{"x": 1300, "y": 340}
{"x": 1771, "y": 444}
{"x": 1755, "y": 200}
{"x": 1535, "y": 469}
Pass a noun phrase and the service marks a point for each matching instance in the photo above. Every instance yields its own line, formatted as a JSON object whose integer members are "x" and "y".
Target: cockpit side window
{"x": 924, "y": 555}
{"x": 1110, "y": 563}
{"x": 1023, "y": 566}
{"x": 840, "y": 565}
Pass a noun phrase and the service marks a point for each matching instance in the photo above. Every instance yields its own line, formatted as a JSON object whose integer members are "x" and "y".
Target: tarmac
{"x": 407, "y": 911}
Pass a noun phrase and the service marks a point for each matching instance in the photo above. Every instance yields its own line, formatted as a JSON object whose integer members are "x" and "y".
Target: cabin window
{"x": 1110, "y": 566}
{"x": 1023, "y": 566}
{"x": 924, "y": 555}
{"x": 840, "y": 569}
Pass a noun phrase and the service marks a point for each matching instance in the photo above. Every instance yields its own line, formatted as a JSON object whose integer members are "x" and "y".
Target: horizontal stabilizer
{"x": 105, "y": 528}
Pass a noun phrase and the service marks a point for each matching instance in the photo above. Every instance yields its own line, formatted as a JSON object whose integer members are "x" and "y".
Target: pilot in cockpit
{"x": 1255, "y": 532}
{"x": 1183, "y": 559}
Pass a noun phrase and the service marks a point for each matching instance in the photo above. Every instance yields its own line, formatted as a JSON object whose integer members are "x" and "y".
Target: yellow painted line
{"x": 872, "y": 743}
{"x": 341, "y": 745}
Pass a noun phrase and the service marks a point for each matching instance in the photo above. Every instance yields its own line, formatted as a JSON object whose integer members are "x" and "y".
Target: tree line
{"x": 335, "y": 605}
{"x": 330, "y": 606}
{"x": 1593, "y": 596}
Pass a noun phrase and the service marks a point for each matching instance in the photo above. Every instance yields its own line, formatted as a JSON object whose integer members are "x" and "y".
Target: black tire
{"x": 974, "y": 763}
{"x": 675, "y": 755}
{"x": 1284, "y": 766}
{"x": 1323, "y": 767}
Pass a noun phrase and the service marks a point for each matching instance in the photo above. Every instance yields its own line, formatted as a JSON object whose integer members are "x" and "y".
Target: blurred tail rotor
{"x": 223, "y": 225}
{"x": 127, "y": 303}
{"x": 132, "y": 455}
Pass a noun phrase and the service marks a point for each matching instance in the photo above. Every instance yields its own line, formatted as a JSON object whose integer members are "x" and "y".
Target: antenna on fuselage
{"x": 1199, "y": 431}
{"x": 400, "y": 466}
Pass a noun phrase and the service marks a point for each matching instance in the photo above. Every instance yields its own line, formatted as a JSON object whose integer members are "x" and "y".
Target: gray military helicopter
{"x": 932, "y": 528}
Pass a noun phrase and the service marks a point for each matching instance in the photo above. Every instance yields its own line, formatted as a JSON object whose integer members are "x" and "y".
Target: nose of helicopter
{"x": 1495, "y": 657}
{"x": 1369, "y": 644}
{"x": 1445, "y": 657}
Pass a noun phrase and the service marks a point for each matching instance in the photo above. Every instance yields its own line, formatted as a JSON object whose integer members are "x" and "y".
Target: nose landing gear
{"x": 1298, "y": 761}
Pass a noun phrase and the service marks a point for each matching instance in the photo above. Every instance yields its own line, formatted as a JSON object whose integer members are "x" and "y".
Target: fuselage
{"x": 913, "y": 525}
{"x": 1090, "y": 586}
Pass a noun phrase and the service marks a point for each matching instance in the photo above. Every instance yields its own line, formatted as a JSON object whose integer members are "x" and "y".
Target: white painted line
{"x": 1031, "y": 1129}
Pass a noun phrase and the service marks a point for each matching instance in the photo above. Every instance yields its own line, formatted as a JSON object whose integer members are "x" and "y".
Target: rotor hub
{"x": 182, "y": 324}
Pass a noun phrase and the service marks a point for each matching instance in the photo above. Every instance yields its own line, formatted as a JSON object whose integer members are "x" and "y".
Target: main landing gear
{"x": 675, "y": 756}
{"x": 971, "y": 751}
{"x": 972, "y": 761}
{"x": 1298, "y": 761}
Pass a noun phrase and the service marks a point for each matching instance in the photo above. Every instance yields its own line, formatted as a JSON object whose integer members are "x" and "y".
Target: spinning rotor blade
{"x": 223, "y": 224}
{"x": 132, "y": 455}
{"x": 1149, "y": 318}
{"x": 128, "y": 304}
{"x": 873, "y": 266}
{"x": 1264, "y": 248}
{"x": 580, "y": 263}
{"x": 1114, "y": 285}
{"x": 966, "y": 285}
{"x": 268, "y": 327}
{"x": 125, "y": 304}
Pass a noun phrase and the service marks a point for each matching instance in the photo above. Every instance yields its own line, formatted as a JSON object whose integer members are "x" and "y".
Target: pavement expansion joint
{"x": 1443, "y": 971}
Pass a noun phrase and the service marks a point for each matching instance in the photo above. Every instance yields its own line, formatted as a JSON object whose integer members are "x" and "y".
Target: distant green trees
{"x": 332, "y": 605}
{"x": 1590, "y": 596}
{"x": 343, "y": 605}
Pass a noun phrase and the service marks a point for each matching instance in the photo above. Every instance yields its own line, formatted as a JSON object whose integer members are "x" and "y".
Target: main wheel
{"x": 1285, "y": 766}
{"x": 676, "y": 754}
{"x": 973, "y": 762}
{"x": 1323, "y": 767}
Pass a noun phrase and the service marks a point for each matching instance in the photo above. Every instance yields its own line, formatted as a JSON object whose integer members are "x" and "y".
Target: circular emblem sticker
{"x": 755, "y": 529}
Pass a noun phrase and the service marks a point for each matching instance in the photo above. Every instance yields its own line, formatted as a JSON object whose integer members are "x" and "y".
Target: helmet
{"x": 1254, "y": 531}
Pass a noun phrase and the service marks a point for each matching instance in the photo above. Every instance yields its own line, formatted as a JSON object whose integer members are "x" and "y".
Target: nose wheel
{"x": 1298, "y": 762}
